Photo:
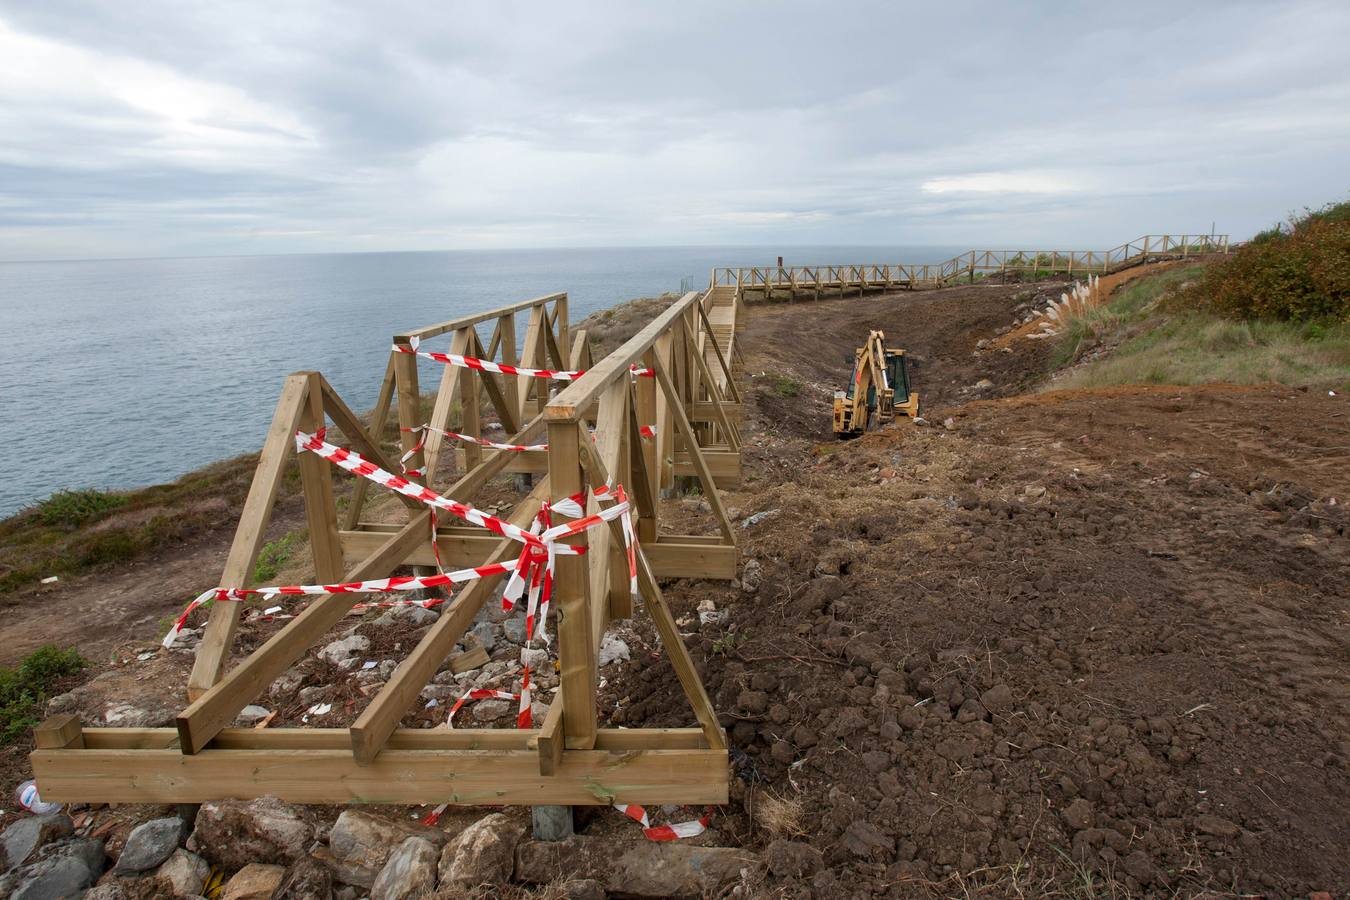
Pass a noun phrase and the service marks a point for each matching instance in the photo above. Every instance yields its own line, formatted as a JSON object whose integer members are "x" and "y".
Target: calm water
{"x": 124, "y": 373}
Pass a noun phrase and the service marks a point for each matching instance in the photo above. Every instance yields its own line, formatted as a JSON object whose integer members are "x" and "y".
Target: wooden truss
{"x": 567, "y": 759}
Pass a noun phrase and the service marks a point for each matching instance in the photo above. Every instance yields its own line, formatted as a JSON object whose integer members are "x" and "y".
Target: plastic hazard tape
{"x": 692, "y": 828}
{"x": 376, "y": 586}
{"x": 646, "y": 431}
{"x": 487, "y": 365}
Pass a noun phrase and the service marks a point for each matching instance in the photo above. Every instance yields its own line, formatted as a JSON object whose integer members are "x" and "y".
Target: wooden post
{"x": 647, "y": 414}
{"x": 507, "y": 325}
{"x": 316, "y": 479}
{"x": 377, "y": 422}
{"x": 576, "y": 648}
{"x": 410, "y": 411}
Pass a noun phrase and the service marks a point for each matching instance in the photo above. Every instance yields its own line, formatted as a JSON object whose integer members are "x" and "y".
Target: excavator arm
{"x": 869, "y": 401}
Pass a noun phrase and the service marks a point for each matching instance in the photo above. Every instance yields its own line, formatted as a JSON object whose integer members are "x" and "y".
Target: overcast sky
{"x": 165, "y": 127}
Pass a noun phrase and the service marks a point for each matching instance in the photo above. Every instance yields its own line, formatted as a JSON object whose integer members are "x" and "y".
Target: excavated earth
{"x": 1087, "y": 642}
{"x": 1090, "y": 643}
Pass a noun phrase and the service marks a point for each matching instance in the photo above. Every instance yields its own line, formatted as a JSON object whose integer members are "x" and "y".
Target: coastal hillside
{"x": 1080, "y": 630}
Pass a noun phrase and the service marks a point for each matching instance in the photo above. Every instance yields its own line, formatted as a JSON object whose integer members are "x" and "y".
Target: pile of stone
{"x": 266, "y": 848}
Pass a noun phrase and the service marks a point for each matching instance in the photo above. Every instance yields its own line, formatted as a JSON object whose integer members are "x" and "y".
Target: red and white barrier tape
{"x": 487, "y": 365}
{"x": 646, "y": 431}
{"x": 692, "y": 828}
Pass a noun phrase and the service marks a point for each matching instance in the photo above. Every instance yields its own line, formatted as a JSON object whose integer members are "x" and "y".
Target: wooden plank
{"x": 410, "y": 413}
{"x": 316, "y": 480}
{"x": 381, "y": 717}
{"x": 402, "y": 739}
{"x": 379, "y": 417}
{"x": 725, "y": 466}
{"x": 611, "y": 432}
{"x": 704, "y": 411}
{"x": 446, "y": 395}
{"x": 549, "y": 743}
{"x": 58, "y": 732}
{"x": 722, "y": 363}
{"x": 432, "y": 331}
{"x": 506, "y": 411}
{"x": 217, "y": 707}
{"x": 731, "y": 434}
{"x": 529, "y": 356}
{"x": 471, "y": 420}
{"x": 644, "y": 485}
{"x": 576, "y": 646}
{"x": 469, "y": 660}
{"x": 469, "y": 777}
{"x": 672, "y": 556}
{"x": 507, "y": 326}
{"x": 695, "y": 454}
{"x": 214, "y": 650}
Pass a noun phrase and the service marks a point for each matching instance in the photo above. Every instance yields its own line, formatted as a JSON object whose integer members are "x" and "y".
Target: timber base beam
{"x": 126, "y": 765}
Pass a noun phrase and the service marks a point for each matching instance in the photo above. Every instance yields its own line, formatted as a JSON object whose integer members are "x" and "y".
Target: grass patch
{"x": 1131, "y": 304}
{"x": 1197, "y": 348}
{"x": 274, "y": 555}
{"x": 24, "y": 689}
{"x": 785, "y": 386}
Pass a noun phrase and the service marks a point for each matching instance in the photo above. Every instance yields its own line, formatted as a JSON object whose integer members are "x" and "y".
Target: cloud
{"x": 167, "y": 128}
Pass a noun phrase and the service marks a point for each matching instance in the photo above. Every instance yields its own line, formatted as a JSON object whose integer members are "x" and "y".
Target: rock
{"x": 514, "y": 630}
{"x": 949, "y": 423}
{"x": 633, "y": 869}
{"x": 185, "y": 872}
{"x": 490, "y": 710}
{"x": 483, "y": 853}
{"x": 920, "y": 420}
{"x": 149, "y": 844}
{"x": 251, "y": 715}
{"x": 58, "y": 870}
{"x": 753, "y": 702}
{"x": 983, "y": 384}
{"x": 1033, "y": 491}
{"x": 612, "y": 649}
{"x": 124, "y": 715}
{"x": 982, "y": 343}
{"x": 308, "y": 879}
{"x": 28, "y": 834}
{"x": 792, "y": 859}
{"x": 339, "y": 651}
{"x": 410, "y": 871}
{"x": 758, "y": 517}
{"x": 486, "y": 633}
{"x": 752, "y": 576}
{"x": 109, "y": 890}
{"x": 234, "y": 833}
{"x": 537, "y": 659}
{"x": 288, "y": 682}
{"x": 1217, "y": 826}
{"x": 1079, "y": 814}
{"x": 361, "y": 844}
{"x": 998, "y": 697}
{"x": 410, "y": 616}
{"x": 255, "y": 881}
{"x": 709, "y": 614}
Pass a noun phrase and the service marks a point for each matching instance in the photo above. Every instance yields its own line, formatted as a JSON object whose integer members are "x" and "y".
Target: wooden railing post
{"x": 576, "y": 642}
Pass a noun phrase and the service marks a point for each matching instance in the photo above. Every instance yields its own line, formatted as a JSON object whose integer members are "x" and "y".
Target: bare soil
{"x": 1077, "y": 643}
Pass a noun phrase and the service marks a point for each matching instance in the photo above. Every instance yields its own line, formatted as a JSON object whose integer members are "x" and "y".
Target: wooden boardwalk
{"x": 793, "y": 282}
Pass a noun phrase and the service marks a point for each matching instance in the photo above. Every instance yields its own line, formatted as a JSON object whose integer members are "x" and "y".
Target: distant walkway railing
{"x": 971, "y": 265}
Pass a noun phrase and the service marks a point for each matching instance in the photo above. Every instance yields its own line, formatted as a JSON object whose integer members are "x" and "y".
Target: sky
{"x": 179, "y": 128}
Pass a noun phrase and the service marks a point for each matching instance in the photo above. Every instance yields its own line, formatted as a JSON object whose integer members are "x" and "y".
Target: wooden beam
{"x": 705, "y": 411}
{"x": 549, "y": 742}
{"x": 432, "y": 331}
{"x": 59, "y": 732}
{"x": 316, "y": 480}
{"x": 216, "y": 708}
{"x": 446, "y": 395}
{"x": 381, "y": 717}
{"x": 214, "y": 650}
{"x": 724, "y": 465}
{"x": 468, "y": 777}
{"x": 576, "y": 645}
{"x": 671, "y": 556}
{"x": 379, "y": 417}
{"x": 425, "y": 739}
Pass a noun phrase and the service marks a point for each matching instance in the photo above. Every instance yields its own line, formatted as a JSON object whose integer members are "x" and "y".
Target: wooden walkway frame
{"x": 767, "y": 282}
{"x": 592, "y": 430}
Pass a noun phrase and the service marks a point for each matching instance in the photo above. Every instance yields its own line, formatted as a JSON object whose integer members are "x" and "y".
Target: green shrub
{"x": 784, "y": 386}
{"x": 71, "y": 509}
{"x": 24, "y": 688}
{"x": 273, "y": 556}
{"x": 1299, "y": 272}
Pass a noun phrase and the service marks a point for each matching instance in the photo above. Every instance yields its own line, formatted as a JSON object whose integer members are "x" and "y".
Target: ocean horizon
{"x": 123, "y": 373}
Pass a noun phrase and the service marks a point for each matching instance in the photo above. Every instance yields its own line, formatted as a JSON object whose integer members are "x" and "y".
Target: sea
{"x": 122, "y": 373}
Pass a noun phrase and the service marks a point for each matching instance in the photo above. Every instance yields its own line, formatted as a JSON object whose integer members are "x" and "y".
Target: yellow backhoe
{"x": 877, "y": 391}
